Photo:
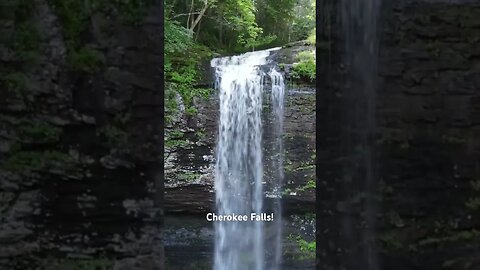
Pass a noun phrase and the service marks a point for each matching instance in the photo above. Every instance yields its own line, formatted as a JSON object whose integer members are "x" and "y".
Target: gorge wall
{"x": 191, "y": 140}
{"x": 80, "y": 150}
{"x": 427, "y": 143}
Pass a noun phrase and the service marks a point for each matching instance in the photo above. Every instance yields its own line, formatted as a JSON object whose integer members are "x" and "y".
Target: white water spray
{"x": 239, "y": 160}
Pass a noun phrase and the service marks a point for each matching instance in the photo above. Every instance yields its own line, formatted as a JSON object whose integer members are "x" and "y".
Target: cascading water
{"x": 277, "y": 98}
{"x": 360, "y": 28}
{"x": 239, "y": 161}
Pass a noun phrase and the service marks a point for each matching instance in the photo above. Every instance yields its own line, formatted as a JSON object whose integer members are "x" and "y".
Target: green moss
{"x": 29, "y": 160}
{"x": 175, "y": 134}
{"x": 85, "y": 59}
{"x": 312, "y": 37}
{"x": 307, "y": 248}
{"x": 298, "y": 166}
{"x": 40, "y": 132}
{"x": 175, "y": 139}
{"x": 200, "y": 134}
{"x": 188, "y": 176}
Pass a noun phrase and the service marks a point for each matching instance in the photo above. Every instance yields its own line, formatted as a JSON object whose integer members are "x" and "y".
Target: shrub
{"x": 305, "y": 69}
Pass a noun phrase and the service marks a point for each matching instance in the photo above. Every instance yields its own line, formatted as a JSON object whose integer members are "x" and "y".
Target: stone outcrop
{"x": 189, "y": 186}
{"x": 427, "y": 147}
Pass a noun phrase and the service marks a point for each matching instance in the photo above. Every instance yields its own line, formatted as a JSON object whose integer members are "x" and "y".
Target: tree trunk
{"x": 190, "y": 15}
{"x": 199, "y": 17}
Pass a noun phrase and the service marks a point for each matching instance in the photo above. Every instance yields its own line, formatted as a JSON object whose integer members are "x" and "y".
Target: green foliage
{"x": 30, "y": 160}
{"x": 261, "y": 42}
{"x": 240, "y": 15}
{"x": 305, "y": 69}
{"x": 85, "y": 59}
{"x": 312, "y": 37}
{"x": 200, "y": 134}
{"x": 175, "y": 139}
{"x": 298, "y": 166}
{"x": 311, "y": 184}
{"x": 175, "y": 134}
{"x": 188, "y": 176}
{"x": 177, "y": 38}
{"x": 307, "y": 248}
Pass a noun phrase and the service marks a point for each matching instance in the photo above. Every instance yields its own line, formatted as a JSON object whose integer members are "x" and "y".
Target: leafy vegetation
{"x": 307, "y": 248}
{"x": 188, "y": 176}
{"x": 311, "y": 184}
{"x": 175, "y": 139}
{"x": 196, "y": 30}
{"x": 305, "y": 69}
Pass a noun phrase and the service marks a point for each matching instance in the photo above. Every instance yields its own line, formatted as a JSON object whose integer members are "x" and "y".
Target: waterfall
{"x": 239, "y": 160}
{"x": 277, "y": 97}
{"x": 360, "y": 28}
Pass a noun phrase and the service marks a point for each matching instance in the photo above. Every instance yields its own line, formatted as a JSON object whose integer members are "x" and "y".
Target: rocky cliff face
{"x": 80, "y": 120}
{"x": 427, "y": 144}
{"x": 189, "y": 170}
{"x": 190, "y": 146}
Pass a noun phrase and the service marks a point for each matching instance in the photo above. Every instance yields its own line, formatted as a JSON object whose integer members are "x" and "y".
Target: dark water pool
{"x": 189, "y": 243}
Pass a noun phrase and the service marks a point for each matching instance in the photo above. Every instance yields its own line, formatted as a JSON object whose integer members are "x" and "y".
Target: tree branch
{"x": 183, "y": 14}
{"x": 199, "y": 17}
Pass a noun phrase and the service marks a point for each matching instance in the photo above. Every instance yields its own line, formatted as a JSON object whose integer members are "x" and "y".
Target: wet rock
{"x": 146, "y": 262}
{"x": 14, "y": 233}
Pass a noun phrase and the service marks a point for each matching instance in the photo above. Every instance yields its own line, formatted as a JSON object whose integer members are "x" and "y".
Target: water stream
{"x": 239, "y": 176}
{"x": 360, "y": 29}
